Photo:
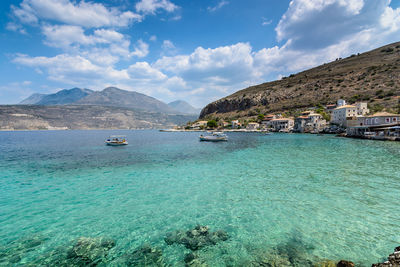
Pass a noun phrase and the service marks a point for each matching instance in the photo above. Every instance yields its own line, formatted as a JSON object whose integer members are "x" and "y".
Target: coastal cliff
{"x": 373, "y": 76}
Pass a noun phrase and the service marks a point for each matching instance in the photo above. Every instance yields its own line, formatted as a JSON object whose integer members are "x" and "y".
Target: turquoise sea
{"x": 304, "y": 198}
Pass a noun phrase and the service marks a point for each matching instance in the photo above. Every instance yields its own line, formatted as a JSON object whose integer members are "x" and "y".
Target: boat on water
{"x": 214, "y": 137}
{"x": 116, "y": 140}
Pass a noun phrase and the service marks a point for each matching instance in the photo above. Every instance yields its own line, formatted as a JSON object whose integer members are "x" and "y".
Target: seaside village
{"x": 341, "y": 118}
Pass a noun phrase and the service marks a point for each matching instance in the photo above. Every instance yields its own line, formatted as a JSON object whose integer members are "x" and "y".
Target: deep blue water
{"x": 322, "y": 196}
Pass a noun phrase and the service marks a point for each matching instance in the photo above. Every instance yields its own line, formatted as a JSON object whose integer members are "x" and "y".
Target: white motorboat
{"x": 116, "y": 140}
{"x": 214, "y": 137}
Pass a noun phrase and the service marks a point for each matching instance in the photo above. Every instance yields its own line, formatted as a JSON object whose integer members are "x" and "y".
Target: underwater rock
{"x": 14, "y": 251}
{"x": 325, "y": 263}
{"x": 144, "y": 256}
{"x": 89, "y": 251}
{"x": 196, "y": 238}
{"x": 271, "y": 260}
{"x": 192, "y": 260}
{"x": 393, "y": 260}
{"x": 344, "y": 263}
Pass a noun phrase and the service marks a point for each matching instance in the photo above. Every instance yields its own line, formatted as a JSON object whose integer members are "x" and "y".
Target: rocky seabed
{"x": 100, "y": 251}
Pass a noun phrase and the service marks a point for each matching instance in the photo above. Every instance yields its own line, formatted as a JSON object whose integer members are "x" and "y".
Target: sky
{"x": 197, "y": 51}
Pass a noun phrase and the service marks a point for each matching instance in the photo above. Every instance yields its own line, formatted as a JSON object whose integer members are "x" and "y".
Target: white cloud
{"x": 152, "y": 6}
{"x": 266, "y": 22}
{"x": 312, "y": 32}
{"x": 168, "y": 48}
{"x": 218, "y": 6}
{"x": 143, "y": 71}
{"x": 230, "y": 63}
{"x": 11, "y": 26}
{"x": 314, "y": 24}
{"x": 153, "y": 38}
{"x": 85, "y": 14}
{"x": 71, "y": 69}
{"x": 141, "y": 49}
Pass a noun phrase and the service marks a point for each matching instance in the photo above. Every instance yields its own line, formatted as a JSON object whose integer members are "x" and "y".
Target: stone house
{"x": 253, "y": 126}
{"x": 282, "y": 124}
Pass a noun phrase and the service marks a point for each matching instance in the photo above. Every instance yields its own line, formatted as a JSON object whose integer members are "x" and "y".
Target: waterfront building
{"x": 222, "y": 124}
{"x": 330, "y": 107}
{"x": 199, "y": 124}
{"x": 282, "y": 124}
{"x": 378, "y": 124}
{"x": 253, "y": 126}
{"x": 309, "y": 122}
{"x": 344, "y": 113}
{"x": 235, "y": 124}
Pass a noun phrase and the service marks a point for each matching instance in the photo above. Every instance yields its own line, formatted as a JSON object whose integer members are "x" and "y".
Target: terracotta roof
{"x": 346, "y": 106}
{"x": 302, "y": 117}
{"x": 282, "y": 119}
{"x": 383, "y": 114}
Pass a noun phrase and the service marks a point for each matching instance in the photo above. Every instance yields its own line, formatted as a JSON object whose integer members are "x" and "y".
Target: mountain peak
{"x": 183, "y": 107}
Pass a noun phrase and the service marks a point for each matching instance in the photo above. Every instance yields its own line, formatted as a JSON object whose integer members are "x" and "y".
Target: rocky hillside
{"x": 110, "y": 96}
{"x": 35, "y": 117}
{"x": 373, "y": 76}
{"x": 116, "y": 97}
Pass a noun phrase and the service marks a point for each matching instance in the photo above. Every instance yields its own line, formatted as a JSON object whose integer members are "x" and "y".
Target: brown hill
{"x": 35, "y": 117}
{"x": 373, "y": 76}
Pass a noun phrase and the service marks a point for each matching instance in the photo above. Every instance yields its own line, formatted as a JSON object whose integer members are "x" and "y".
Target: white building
{"x": 341, "y": 102}
{"x": 199, "y": 124}
{"x": 235, "y": 124}
{"x": 348, "y": 112}
{"x": 253, "y": 126}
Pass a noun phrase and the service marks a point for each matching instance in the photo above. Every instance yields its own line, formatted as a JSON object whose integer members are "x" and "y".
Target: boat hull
{"x": 116, "y": 144}
{"x": 213, "y": 139}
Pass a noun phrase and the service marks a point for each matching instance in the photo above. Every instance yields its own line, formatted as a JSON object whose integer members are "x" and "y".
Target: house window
{"x": 394, "y": 119}
{"x": 388, "y": 120}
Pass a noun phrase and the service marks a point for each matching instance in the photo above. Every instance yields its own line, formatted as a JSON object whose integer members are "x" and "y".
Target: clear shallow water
{"x": 336, "y": 198}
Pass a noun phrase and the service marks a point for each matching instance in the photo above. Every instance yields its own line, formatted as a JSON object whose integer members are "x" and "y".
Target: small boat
{"x": 214, "y": 137}
{"x": 116, "y": 140}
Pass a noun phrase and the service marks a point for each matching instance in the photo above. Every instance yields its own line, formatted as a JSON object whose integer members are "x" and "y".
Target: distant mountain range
{"x": 71, "y": 117}
{"x": 111, "y": 108}
{"x": 110, "y": 96}
{"x": 184, "y": 107}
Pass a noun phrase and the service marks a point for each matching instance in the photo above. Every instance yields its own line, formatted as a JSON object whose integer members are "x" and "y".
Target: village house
{"x": 381, "y": 123}
{"x": 199, "y": 124}
{"x": 266, "y": 121}
{"x": 345, "y": 113}
{"x": 253, "y": 126}
{"x": 282, "y": 124}
{"x": 309, "y": 122}
{"x": 330, "y": 107}
{"x": 223, "y": 124}
{"x": 235, "y": 124}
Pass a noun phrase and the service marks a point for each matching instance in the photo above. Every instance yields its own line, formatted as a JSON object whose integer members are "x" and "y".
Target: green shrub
{"x": 212, "y": 124}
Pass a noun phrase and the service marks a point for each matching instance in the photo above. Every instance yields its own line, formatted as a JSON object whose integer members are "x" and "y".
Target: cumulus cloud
{"x": 314, "y": 24}
{"x": 71, "y": 69}
{"x": 311, "y": 32}
{"x": 141, "y": 49}
{"x": 229, "y": 63}
{"x": 85, "y": 14}
{"x": 152, "y": 6}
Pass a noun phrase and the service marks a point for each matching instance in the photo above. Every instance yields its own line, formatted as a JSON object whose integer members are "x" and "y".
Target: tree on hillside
{"x": 212, "y": 124}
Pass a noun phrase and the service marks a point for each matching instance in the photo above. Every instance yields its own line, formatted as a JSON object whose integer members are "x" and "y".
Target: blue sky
{"x": 197, "y": 51}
